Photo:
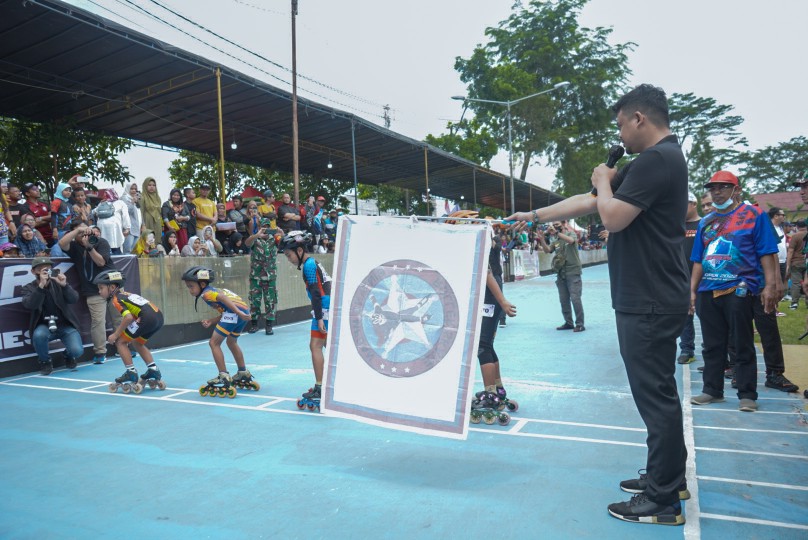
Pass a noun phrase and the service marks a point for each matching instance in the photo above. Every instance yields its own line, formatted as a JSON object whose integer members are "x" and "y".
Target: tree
{"x": 192, "y": 169}
{"x": 467, "y": 139}
{"x": 775, "y": 168}
{"x": 700, "y": 123}
{"x": 536, "y": 47}
{"x": 52, "y": 152}
{"x": 394, "y": 199}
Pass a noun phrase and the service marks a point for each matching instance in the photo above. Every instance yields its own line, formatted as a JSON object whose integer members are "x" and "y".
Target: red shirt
{"x": 41, "y": 210}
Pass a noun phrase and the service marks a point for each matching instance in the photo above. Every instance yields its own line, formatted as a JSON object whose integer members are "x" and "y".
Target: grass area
{"x": 792, "y": 326}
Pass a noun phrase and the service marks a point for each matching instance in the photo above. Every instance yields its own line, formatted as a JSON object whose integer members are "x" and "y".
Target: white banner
{"x": 406, "y": 304}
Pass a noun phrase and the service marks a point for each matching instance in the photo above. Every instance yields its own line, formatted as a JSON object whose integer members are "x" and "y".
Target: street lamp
{"x": 510, "y": 140}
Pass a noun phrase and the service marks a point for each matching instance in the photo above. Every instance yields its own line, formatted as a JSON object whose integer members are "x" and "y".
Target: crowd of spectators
{"x": 187, "y": 224}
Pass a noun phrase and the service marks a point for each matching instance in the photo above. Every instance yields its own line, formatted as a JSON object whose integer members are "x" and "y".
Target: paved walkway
{"x": 79, "y": 462}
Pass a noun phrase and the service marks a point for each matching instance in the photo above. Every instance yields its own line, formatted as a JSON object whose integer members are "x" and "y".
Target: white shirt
{"x": 782, "y": 248}
{"x": 112, "y": 227}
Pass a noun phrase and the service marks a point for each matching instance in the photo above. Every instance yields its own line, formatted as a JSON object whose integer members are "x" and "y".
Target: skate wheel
{"x": 513, "y": 406}
{"x": 126, "y": 388}
{"x": 221, "y": 392}
{"x": 152, "y": 384}
{"x": 489, "y": 418}
{"x": 501, "y": 406}
{"x": 137, "y": 388}
{"x": 231, "y": 392}
{"x": 300, "y": 404}
{"x": 203, "y": 390}
{"x": 256, "y": 386}
{"x": 161, "y": 385}
{"x": 504, "y": 419}
{"x": 310, "y": 406}
{"x": 475, "y": 418}
{"x": 112, "y": 387}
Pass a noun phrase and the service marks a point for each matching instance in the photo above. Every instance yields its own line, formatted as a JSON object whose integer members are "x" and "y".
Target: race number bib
{"x": 325, "y": 314}
{"x": 137, "y": 300}
{"x": 488, "y": 310}
{"x": 229, "y": 318}
{"x": 133, "y": 328}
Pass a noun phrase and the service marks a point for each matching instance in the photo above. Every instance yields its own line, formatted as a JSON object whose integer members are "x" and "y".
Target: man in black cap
{"x": 48, "y": 297}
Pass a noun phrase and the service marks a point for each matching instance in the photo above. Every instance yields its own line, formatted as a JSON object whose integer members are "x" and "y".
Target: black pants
{"x": 770, "y": 342}
{"x": 724, "y": 319}
{"x": 488, "y": 331}
{"x": 648, "y": 347}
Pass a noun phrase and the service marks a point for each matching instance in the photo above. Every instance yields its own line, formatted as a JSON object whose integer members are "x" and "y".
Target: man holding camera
{"x": 91, "y": 255}
{"x": 48, "y": 298}
{"x": 567, "y": 265}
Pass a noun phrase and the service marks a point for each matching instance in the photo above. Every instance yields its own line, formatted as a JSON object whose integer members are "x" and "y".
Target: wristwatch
{"x": 535, "y": 217}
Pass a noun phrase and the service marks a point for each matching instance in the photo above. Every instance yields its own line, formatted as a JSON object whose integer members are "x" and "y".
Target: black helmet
{"x": 199, "y": 273}
{"x": 110, "y": 277}
{"x": 296, "y": 239}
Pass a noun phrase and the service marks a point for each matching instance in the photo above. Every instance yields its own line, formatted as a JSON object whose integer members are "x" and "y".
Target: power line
{"x": 155, "y": 17}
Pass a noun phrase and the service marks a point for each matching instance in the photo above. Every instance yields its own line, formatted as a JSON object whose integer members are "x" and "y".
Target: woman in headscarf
{"x": 194, "y": 248}
{"x": 170, "y": 244}
{"x": 30, "y": 246}
{"x": 209, "y": 239}
{"x": 150, "y": 205}
{"x": 116, "y": 227}
{"x": 175, "y": 217}
{"x": 131, "y": 197}
{"x": 147, "y": 246}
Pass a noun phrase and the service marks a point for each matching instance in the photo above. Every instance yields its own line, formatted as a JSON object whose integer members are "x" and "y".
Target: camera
{"x": 51, "y": 323}
{"x": 92, "y": 240}
{"x": 594, "y": 235}
{"x": 47, "y": 272}
{"x": 55, "y": 272}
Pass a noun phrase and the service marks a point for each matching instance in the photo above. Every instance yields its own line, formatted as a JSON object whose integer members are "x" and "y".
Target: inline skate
{"x": 488, "y": 408}
{"x": 128, "y": 382}
{"x": 221, "y": 386}
{"x": 311, "y": 399}
{"x": 504, "y": 402}
{"x": 244, "y": 379}
{"x": 153, "y": 378}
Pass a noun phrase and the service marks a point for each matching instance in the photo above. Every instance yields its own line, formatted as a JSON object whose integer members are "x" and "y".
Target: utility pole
{"x": 295, "y": 155}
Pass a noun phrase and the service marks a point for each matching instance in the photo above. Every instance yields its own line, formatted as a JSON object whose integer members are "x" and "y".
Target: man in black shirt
{"x": 643, "y": 206}
{"x": 90, "y": 259}
{"x": 687, "y": 339}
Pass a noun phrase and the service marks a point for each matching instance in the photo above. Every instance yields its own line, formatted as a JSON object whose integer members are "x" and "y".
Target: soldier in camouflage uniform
{"x": 263, "y": 274}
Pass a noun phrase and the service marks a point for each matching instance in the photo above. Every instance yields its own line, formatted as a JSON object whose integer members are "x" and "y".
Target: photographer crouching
{"x": 48, "y": 297}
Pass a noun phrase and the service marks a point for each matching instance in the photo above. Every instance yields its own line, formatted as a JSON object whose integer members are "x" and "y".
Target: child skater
{"x": 140, "y": 321}
{"x": 233, "y": 317}
{"x": 295, "y": 246}
{"x": 493, "y": 398}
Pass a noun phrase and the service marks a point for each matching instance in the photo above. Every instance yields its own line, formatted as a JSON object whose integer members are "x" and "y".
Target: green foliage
{"x": 52, "y": 152}
{"x": 192, "y": 169}
{"x": 467, "y": 139}
{"x": 775, "y": 168}
{"x": 536, "y": 47}
{"x": 394, "y": 199}
{"x": 708, "y": 134}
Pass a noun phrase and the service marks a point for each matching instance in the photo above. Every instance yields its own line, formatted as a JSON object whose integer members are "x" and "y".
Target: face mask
{"x": 724, "y": 205}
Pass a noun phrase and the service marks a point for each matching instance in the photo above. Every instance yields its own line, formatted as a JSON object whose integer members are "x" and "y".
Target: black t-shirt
{"x": 86, "y": 267}
{"x": 290, "y": 224}
{"x": 690, "y": 236}
{"x": 646, "y": 262}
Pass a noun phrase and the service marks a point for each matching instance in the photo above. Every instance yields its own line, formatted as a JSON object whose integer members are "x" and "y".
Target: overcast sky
{"x": 359, "y": 55}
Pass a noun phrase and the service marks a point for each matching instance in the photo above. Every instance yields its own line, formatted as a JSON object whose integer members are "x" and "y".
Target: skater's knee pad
{"x": 486, "y": 355}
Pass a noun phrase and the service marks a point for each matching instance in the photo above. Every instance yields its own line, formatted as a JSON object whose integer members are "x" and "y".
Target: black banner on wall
{"x": 15, "y": 343}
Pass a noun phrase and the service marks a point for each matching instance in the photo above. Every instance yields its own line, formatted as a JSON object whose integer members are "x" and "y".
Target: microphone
{"x": 615, "y": 153}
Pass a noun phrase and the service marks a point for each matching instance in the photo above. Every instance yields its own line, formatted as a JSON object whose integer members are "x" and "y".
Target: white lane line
{"x": 717, "y": 409}
{"x": 693, "y": 523}
{"x": 753, "y": 483}
{"x": 556, "y": 437}
{"x": 273, "y": 402}
{"x": 778, "y": 431}
{"x": 756, "y": 521}
{"x": 582, "y": 424}
{"x": 518, "y": 425}
{"x": 750, "y": 452}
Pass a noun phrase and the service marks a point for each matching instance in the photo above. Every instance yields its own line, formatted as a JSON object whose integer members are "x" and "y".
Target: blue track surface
{"x": 79, "y": 462}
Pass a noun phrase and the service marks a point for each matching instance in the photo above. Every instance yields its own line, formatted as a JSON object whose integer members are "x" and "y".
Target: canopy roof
{"x": 58, "y": 62}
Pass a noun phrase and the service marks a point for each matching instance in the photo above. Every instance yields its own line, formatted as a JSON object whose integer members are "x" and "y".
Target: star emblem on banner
{"x": 406, "y": 318}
